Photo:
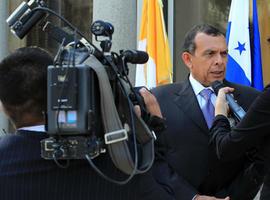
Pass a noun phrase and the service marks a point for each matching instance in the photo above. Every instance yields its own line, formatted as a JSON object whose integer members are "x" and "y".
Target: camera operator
{"x": 23, "y": 173}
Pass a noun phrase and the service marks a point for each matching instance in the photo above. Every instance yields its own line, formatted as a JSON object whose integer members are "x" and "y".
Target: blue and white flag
{"x": 239, "y": 59}
{"x": 244, "y": 66}
{"x": 257, "y": 75}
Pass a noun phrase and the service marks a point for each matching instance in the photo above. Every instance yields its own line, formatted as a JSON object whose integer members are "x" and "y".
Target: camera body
{"x": 73, "y": 112}
{"x": 72, "y": 101}
{"x": 89, "y": 96}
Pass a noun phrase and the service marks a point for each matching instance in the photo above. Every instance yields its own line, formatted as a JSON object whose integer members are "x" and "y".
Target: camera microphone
{"x": 135, "y": 56}
{"x": 237, "y": 110}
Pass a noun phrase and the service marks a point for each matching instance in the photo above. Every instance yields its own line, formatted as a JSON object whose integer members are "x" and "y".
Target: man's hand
{"x": 150, "y": 102}
{"x": 203, "y": 197}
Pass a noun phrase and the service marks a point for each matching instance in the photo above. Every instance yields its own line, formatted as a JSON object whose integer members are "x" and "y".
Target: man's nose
{"x": 219, "y": 59}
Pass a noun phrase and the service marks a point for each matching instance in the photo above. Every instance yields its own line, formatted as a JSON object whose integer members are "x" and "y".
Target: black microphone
{"x": 135, "y": 56}
{"x": 237, "y": 110}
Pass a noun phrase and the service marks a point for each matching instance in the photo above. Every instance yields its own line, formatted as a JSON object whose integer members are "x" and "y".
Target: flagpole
{"x": 171, "y": 29}
{"x": 257, "y": 74}
{"x": 139, "y": 14}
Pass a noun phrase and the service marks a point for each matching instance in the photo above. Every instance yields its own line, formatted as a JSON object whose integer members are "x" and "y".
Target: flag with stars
{"x": 238, "y": 40}
{"x": 244, "y": 66}
{"x": 257, "y": 72}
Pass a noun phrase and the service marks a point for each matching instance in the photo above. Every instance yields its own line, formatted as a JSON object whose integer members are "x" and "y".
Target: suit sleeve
{"x": 164, "y": 172}
{"x": 249, "y": 133}
{"x": 167, "y": 177}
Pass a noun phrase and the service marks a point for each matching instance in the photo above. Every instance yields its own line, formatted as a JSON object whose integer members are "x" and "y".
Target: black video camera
{"x": 90, "y": 98}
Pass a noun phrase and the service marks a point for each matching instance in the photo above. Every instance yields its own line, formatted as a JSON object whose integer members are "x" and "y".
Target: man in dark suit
{"x": 24, "y": 175}
{"x": 193, "y": 171}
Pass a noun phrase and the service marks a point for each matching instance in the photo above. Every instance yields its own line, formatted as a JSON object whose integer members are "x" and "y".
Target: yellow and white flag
{"x": 153, "y": 39}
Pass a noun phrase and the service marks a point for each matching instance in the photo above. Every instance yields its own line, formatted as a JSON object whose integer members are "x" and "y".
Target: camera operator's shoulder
{"x": 9, "y": 143}
{"x": 7, "y": 139}
{"x": 14, "y": 141}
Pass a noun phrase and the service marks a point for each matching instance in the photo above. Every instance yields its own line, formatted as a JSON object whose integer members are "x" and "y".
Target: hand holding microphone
{"x": 221, "y": 107}
{"x": 236, "y": 109}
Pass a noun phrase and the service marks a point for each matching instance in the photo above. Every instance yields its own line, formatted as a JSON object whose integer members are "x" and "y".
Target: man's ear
{"x": 187, "y": 59}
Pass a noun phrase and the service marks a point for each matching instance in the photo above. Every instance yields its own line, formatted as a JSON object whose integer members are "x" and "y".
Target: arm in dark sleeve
{"x": 231, "y": 144}
{"x": 248, "y": 182}
{"x": 167, "y": 177}
{"x": 220, "y": 137}
{"x": 150, "y": 189}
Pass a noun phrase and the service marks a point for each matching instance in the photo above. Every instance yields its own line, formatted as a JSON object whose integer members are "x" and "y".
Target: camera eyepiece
{"x": 101, "y": 28}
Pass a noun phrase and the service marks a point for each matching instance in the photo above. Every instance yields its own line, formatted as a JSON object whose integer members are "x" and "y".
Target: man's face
{"x": 208, "y": 63}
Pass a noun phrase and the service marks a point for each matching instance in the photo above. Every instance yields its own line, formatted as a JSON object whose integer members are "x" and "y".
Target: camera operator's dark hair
{"x": 23, "y": 82}
{"x": 189, "y": 43}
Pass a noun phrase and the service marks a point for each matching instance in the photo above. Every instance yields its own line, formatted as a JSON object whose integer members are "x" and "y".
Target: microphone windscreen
{"x": 216, "y": 85}
{"x": 135, "y": 56}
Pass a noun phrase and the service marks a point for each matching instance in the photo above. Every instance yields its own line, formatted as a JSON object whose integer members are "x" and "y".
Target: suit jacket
{"x": 24, "y": 175}
{"x": 192, "y": 167}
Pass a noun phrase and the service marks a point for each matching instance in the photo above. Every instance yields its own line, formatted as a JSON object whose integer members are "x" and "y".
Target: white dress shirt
{"x": 37, "y": 128}
{"x": 197, "y": 88}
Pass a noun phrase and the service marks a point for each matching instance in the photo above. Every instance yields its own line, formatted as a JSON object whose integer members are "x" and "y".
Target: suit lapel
{"x": 236, "y": 93}
{"x": 186, "y": 100}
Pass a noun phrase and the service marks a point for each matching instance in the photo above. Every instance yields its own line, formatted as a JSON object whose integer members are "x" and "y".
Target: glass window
{"x": 190, "y": 13}
{"x": 217, "y": 13}
{"x": 78, "y": 12}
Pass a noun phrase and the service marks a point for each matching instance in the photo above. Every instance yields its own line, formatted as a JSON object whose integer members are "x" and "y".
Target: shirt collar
{"x": 37, "y": 128}
{"x": 196, "y": 85}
